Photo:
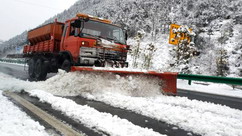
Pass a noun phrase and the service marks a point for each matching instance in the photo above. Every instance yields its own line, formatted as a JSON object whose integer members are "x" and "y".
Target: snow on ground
{"x": 139, "y": 94}
{"x": 200, "y": 117}
{"x": 85, "y": 114}
{"x": 14, "y": 122}
{"x": 92, "y": 118}
{"x": 212, "y": 88}
{"x": 9, "y": 83}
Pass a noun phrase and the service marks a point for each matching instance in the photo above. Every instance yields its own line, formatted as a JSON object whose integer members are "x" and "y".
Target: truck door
{"x": 70, "y": 41}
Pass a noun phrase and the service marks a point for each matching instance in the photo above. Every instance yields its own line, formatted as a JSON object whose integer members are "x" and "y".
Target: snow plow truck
{"x": 83, "y": 43}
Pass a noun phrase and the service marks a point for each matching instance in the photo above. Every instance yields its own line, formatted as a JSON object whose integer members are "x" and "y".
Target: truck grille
{"x": 111, "y": 55}
{"x": 102, "y": 54}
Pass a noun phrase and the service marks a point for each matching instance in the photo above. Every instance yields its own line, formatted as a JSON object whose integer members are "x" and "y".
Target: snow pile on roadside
{"x": 75, "y": 83}
{"x": 9, "y": 83}
{"x": 92, "y": 118}
{"x": 14, "y": 122}
{"x": 192, "y": 115}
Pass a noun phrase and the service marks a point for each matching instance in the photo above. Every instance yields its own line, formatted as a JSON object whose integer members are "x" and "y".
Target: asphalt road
{"x": 55, "y": 113}
{"x": 137, "y": 119}
{"x": 14, "y": 70}
{"x": 232, "y": 102}
{"x": 18, "y": 71}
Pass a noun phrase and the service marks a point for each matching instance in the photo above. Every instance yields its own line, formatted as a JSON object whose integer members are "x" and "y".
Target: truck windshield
{"x": 105, "y": 31}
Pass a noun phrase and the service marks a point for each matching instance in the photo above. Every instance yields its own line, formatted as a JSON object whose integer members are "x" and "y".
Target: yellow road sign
{"x": 178, "y": 33}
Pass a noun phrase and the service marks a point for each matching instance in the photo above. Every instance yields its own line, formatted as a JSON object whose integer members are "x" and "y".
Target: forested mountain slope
{"x": 217, "y": 25}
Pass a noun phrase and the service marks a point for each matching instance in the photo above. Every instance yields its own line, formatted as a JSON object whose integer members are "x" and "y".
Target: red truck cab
{"x": 94, "y": 41}
{"x": 81, "y": 41}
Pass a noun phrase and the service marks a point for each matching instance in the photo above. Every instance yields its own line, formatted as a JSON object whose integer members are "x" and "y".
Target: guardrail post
{"x": 189, "y": 82}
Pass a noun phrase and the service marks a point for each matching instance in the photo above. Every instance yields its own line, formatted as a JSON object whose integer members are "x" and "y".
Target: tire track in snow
{"x": 48, "y": 108}
{"x": 192, "y": 115}
{"x": 133, "y": 117}
{"x": 52, "y": 121}
{"x": 91, "y": 118}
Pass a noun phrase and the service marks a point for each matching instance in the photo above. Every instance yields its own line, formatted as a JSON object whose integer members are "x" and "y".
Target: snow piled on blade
{"x": 14, "y": 122}
{"x": 75, "y": 83}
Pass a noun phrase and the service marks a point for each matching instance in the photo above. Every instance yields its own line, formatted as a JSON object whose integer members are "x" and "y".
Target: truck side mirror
{"x": 77, "y": 23}
{"x": 126, "y": 36}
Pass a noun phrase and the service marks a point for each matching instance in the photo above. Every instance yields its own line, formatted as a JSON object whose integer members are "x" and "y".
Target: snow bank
{"x": 199, "y": 117}
{"x": 9, "y": 83}
{"x": 92, "y": 118}
{"x": 14, "y": 122}
{"x": 75, "y": 83}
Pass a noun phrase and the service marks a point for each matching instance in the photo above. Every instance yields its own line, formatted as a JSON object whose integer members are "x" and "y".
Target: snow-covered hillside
{"x": 217, "y": 26}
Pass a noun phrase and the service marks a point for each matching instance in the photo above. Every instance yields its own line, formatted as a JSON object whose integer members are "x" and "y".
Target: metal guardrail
{"x": 214, "y": 79}
{"x": 13, "y": 61}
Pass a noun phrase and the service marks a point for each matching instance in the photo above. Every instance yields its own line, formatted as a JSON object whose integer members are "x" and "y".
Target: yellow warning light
{"x": 85, "y": 16}
{"x": 82, "y": 15}
{"x": 107, "y": 21}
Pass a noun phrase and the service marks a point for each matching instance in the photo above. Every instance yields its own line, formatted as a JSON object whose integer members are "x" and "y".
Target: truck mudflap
{"x": 169, "y": 79}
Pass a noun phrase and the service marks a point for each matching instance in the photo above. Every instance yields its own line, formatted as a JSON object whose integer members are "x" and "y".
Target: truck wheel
{"x": 31, "y": 70}
{"x": 40, "y": 70}
{"x": 66, "y": 65}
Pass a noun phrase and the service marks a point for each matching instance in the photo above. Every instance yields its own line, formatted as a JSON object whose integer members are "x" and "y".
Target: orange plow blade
{"x": 168, "y": 78}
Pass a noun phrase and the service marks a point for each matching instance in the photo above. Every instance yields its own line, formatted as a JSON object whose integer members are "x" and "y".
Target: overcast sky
{"x": 17, "y": 16}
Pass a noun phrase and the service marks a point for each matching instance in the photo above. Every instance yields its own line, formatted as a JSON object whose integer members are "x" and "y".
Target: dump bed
{"x": 46, "y": 32}
{"x": 46, "y": 38}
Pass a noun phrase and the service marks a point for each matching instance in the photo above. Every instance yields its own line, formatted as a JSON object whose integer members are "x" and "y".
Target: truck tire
{"x": 31, "y": 70}
{"x": 66, "y": 65}
{"x": 40, "y": 70}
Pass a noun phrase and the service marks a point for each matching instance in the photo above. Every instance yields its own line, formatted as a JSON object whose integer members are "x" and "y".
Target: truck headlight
{"x": 84, "y": 43}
